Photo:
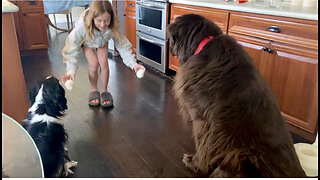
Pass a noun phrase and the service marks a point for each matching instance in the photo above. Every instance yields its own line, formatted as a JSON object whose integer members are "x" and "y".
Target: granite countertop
{"x": 310, "y": 13}
{"x": 8, "y": 7}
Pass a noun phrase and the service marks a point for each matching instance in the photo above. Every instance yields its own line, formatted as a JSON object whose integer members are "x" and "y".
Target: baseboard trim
{"x": 33, "y": 52}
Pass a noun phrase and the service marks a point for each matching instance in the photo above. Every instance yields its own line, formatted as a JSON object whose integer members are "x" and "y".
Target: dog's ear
{"x": 33, "y": 93}
{"x": 187, "y": 31}
{"x": 59, "y": 100}
{"x": 54, "y": 97}
{"x": 172, "y": 36}
{"x": 58, "y": 95}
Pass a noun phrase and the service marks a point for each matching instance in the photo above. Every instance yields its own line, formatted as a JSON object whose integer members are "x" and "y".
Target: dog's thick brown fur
{"x": 237, "y": 125}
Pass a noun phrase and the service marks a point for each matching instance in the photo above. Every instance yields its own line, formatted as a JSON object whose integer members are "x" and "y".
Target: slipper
{"x": 106, "y": 96}
{"x": 92, "y": 96}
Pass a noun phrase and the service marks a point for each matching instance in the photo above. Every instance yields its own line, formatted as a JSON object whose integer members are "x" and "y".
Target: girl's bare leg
{"x": 93, "y": 62}
{"x": 102, "y": 54}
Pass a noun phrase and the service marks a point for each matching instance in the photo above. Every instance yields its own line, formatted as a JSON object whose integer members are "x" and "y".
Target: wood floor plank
{"x": 131, "y": 162}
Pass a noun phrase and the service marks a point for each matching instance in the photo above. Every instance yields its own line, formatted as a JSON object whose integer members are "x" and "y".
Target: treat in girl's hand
{"x": 69, "y": 84}
{"x": 140, "y": 73}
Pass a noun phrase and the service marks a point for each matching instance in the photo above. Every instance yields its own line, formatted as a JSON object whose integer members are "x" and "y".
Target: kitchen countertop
{"x": 8, "y": 7}
{"x": 310, "y": 13}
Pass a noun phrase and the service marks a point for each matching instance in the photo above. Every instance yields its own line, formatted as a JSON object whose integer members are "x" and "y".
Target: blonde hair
{"x": 97, "y": 8}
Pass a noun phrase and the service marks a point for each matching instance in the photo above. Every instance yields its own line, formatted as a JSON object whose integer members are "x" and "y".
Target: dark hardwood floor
{"x": 141, "y": 136}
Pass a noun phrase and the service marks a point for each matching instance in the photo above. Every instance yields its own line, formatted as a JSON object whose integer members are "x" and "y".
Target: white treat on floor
{"x": 140, "y": 73}
{"x": 69, "y": 84}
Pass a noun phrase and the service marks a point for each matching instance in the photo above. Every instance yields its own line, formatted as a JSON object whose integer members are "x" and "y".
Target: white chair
{"x": 68, "y": 13}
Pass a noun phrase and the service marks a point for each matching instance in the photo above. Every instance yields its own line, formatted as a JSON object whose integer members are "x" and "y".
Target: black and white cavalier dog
{"x": 47, "y": 105}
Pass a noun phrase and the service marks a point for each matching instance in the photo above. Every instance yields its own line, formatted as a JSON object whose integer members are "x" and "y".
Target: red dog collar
{"x": 202, "y": 44}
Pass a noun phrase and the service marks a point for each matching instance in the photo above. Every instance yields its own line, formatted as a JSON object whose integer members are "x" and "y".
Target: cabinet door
{"x": 130, "y": 21}
{"x": 295, "y": 84}
{"x": 34, "y": 29}
{"x": 256, "y": 48}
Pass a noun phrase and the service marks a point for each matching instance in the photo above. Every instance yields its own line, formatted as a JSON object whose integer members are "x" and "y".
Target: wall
{"x": 120, "y": 14}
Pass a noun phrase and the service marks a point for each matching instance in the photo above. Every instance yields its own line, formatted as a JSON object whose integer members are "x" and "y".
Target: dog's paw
{"x": 68, "y": 165}
{"x": 187, "y": 160}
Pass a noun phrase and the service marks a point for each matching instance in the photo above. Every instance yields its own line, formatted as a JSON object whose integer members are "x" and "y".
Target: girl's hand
{"x": 66, "y": 77}
{"x": 138, "y": 66}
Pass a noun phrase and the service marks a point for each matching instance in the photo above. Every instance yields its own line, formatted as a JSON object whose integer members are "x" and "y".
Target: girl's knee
{"x": 93, "y": 67}
{"x": 104, "y": 65}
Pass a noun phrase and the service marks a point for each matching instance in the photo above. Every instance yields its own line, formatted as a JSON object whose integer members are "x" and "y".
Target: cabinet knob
{"x": 131, "y": 5}
{"x": 265, "y": 49}
{"x": 274, "y": 29}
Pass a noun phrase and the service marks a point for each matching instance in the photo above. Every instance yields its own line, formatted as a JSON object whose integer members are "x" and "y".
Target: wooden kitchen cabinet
{"x": 288, "y": 60}
{"x": 292, "y": 31}
{"x": 130, "y": 22}
{"x": 31, "y": 26}
{"x": 257, "y": 49}
{"x": 295, "y": 84}
{"x": 34, "y": 33}
{"x": 220, "y": 17}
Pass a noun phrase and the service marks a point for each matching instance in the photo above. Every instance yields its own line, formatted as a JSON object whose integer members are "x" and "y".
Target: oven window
{"x": 150, "y": 17}
{"x": 150, "y": 51}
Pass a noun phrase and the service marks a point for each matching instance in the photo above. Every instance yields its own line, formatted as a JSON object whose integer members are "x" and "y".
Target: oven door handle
{"x": 149, "y": 40}
{"x": 151, "y": 5}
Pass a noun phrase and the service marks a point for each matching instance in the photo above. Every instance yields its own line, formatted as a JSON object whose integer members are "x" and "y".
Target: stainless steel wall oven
{"x": 151, "y": 23}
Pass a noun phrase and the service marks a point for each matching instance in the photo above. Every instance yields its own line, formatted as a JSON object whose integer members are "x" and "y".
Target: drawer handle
{"x": 32, "y": 2}
{"x": 274, "y": 29}
{"x": 268, "y": 50}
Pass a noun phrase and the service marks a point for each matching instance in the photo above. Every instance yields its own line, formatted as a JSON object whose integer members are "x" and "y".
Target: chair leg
{"x": 67, "y": 15}
{"x": 54, "y": 17}
{"x": 71, "y": 21}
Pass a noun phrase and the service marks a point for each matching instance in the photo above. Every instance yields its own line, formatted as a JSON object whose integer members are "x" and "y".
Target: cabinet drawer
{"x": 220, "y": 17}
{"x": 293, "y": 31}
{"x": 30, "y": 4}
{"x": 130, "y": 6}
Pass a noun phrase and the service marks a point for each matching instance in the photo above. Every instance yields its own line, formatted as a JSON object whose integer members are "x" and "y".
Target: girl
{"x": 97, "y": 25}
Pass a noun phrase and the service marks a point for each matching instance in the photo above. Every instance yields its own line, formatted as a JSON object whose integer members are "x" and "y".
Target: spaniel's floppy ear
{"x": 33, "y": 93}
{"x": 54, "y": 97}
{"x": 59, "y": 100}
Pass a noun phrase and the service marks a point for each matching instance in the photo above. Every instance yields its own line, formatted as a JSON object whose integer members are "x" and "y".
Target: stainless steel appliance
{"x": 152, "y": 17}
{"x": 152, "y": 51}
{"x": 151, "y": 23}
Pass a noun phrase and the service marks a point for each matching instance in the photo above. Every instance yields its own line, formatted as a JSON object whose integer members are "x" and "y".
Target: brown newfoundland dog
{"x": 237, "y": 125}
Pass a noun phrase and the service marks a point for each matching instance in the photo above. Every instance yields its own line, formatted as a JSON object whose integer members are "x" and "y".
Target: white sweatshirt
{"x": 72, "y": 46}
